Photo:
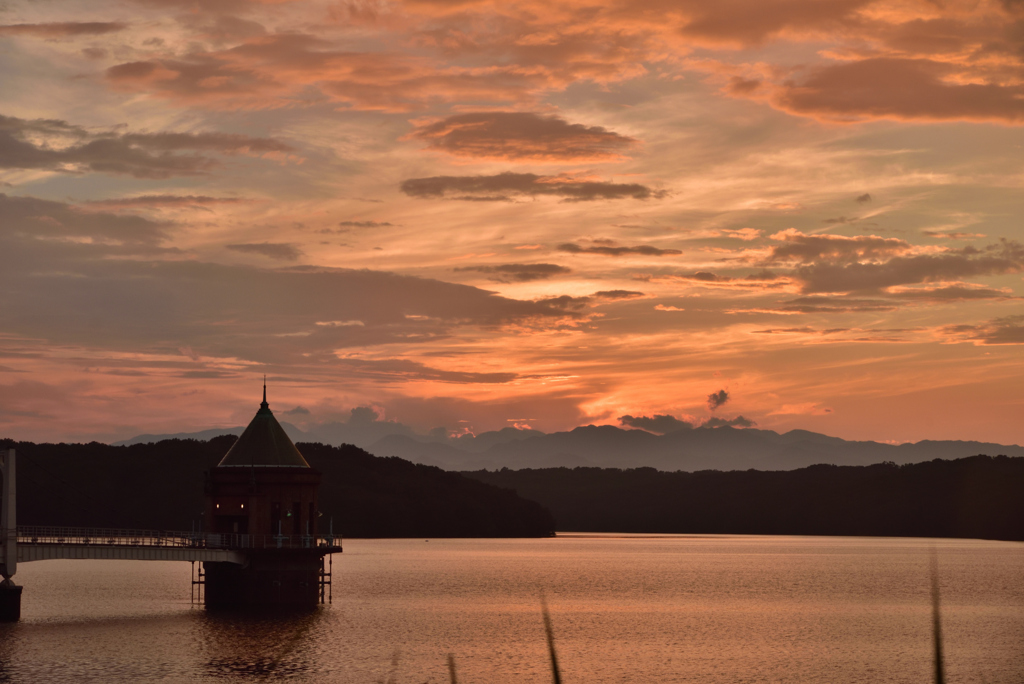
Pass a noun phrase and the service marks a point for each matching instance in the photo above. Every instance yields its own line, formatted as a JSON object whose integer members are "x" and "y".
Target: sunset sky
{"x": 473, "y": 214}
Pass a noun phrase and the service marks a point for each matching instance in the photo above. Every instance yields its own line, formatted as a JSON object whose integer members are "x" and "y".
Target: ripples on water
{"x": 625, "y": 609}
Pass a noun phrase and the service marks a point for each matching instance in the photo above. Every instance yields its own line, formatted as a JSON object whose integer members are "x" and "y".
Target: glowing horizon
{"x": 470, "y": 215}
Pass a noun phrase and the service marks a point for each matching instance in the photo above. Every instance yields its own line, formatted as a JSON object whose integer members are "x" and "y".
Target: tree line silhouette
{"x": 975, "y": 497}
{"x": 159, "y": 486}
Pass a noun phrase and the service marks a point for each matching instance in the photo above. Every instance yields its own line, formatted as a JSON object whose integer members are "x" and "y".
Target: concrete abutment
{"x": 10, "y": 601}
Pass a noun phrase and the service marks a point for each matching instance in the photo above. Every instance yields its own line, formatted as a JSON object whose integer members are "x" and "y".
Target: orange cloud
{"x": 522, "y": 136}
{"x": 1005, "y": 330}
{"x": 749, "y": 22}
{"x": 518, "y": 273}
{"x": 617, "y": 250}
{"x": 854, "y": 276}
{"x": 950, "y": 292}
{"x": 902, "y": 89}
{"x": 143, "y": 201}
{"x": 570, "y": 303}
{"x": 809, "y": 408}
{"x": 800, "y": 248}
{"x": 765, "y": 280}
{"x": 917, "y": 61}
{"x": 729, "y": 22}
{"x": 272, "y": 250}
{"x": 273, "y": 71}
{"x": 505, "y": 187}
{"x": 64, "y": 29}
{"x": 54, "y": 145}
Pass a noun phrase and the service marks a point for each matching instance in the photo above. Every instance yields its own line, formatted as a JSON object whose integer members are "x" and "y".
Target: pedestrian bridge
{"x": 36, "y": 543}
{"x": 250, "y": 552}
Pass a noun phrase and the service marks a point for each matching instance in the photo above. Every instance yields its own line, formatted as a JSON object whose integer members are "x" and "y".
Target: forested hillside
{"x": 978, "y": 497}
{"x": 160, "y": 486}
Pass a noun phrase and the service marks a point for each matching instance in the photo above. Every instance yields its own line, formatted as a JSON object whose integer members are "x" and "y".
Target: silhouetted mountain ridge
{"x": 720, "y": 448}
{"x": 608, "y": 446}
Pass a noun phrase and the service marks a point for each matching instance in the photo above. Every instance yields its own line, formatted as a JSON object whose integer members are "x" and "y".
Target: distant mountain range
{"x": 607, "y": 446}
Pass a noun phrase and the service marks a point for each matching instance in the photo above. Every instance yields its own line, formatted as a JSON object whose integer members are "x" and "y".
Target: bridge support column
{"x": 10, "y": 601}
{"x": 10, "y": 593}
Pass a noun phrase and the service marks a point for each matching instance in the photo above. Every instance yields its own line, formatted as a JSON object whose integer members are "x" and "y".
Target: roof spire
{"x": 264, "y": 443}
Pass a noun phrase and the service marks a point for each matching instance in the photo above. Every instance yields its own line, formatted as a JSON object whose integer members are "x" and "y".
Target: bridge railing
{"x": 35, "y": 534}
{"x": 90, "y": 536}
{"x": 268, "y": 541}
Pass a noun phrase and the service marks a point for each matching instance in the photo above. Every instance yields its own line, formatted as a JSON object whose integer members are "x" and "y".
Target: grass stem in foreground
{"x": 451, "y": 669}
{"x": 940, "y": 675}
{"x": 555, "y": 674}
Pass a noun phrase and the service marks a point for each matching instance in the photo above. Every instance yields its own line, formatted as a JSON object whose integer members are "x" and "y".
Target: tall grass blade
{"x": 393, "y": 675}
{"x": 940, "y": 674}
{"x": 451, "y": 669}
{"x": 555, "y": 674}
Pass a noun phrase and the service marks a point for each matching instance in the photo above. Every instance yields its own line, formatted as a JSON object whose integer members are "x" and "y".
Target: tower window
{"x": 275, "y": 517}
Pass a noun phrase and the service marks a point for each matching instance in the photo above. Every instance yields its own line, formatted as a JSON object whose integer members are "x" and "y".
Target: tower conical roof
{"x": 264, "y": 443}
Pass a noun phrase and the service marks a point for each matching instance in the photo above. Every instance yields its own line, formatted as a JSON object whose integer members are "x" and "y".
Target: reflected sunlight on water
{"x": 625, "y": 608}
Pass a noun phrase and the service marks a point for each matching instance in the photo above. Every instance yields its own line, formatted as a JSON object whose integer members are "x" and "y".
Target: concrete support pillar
{"x": 9, "y": 516}
{"x": 10, "y": 593}
{"x": 10, "y": 601}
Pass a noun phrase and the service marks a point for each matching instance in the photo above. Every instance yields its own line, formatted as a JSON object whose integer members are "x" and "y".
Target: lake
{"x": 625, "y": 608}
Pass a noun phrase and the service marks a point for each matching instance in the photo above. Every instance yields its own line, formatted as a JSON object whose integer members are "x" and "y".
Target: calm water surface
{"x": 625, "y": 609}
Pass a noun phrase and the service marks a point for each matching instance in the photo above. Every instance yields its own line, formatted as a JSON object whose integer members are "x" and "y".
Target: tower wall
{"x": 256, "y": 503}
{"x": 252, "y": 501}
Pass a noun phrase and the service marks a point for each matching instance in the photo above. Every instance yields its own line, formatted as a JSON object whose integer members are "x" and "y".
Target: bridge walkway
{"x": 36, "y": 543}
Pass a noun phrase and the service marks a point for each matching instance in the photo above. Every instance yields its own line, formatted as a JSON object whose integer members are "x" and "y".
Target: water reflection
{"x": 7, "y": 639}
{"x": 667, "y": 609}
{"x": 244, "y": 643}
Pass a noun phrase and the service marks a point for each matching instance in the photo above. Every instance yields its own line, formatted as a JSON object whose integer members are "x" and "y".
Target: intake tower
{"x": 261, "y": 499}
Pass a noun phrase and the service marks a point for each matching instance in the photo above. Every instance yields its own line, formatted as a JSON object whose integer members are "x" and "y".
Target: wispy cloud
{"x": 65, "y": 29}
{"x": 658, "y": 424}
{"x": 505, "y": 187}
{"x": 1005, "y": 330}
{"x": 274, "y": 250}
{"x": 522, "y": 136}
{"x": 616, "y": 250}
{"x": 519, "y": 273}
{"x": 141, "y": 201}
{"x": 55, "y": 145}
